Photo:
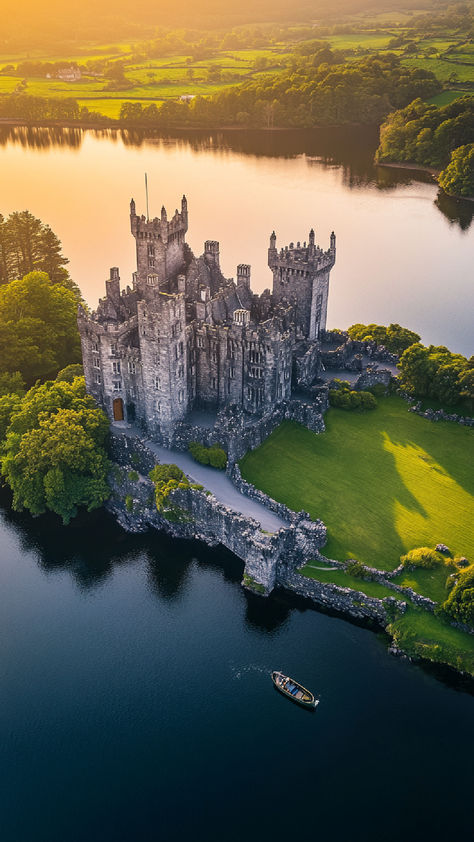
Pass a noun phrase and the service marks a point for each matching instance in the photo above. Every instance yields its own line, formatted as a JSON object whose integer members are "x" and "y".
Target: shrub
{"x": 218, "y": 458}
{"x": 422, "y": 557}
{"x": 214, "y": 456}
{"x": 129, "y": 503}
{"x": 460, "y": 602}
{"x": 356, "y": 568}
{"x": 350, "y": 400}
{"x": 378, "y": 390}
{"x": 199, "y": 452}
{"x": 133, "y": 476}
{"x": 167, "y": 478}
{"x": 70, "y": 372}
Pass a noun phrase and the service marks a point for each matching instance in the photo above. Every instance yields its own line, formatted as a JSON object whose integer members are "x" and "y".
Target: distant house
{"x": 187, "y": 97}
{"x": 69, "y": 74}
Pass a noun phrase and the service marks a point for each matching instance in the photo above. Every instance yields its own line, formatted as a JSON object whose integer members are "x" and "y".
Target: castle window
{"x": 132, "y": 367}
{"x": 200, "y": 342}
{"x": 116, "y": 368}
{"x": 157, "y": 382}
{"x": 156, "y": 359}
{"x": 181, "y": 371}
{"x": 158, "y": 407}
{"x": 232, "y": 372}
{"x": 181, "y": 349}
{"x": 152, "y": 279}
{"x": 113, "y": 349}
{"x": 180, "y": 396}
{"x": 176, "y": 352}
{"x": 150, "y": 250}
{"x": 95, "y": 347}
{"x": 97, "y": 378}
{"x": 132, "y": 392}
{"x": 117, "y": 385}
{"x": 96, "y": 362}
{"x": 214, "y": 356}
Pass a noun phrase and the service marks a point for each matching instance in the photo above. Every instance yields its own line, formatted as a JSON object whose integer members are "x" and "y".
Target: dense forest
{"x": 439, "y": 137}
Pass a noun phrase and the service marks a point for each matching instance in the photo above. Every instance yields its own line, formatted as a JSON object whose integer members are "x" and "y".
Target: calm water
{"x": 405, "y": 251}
{"x": 135, "y": 697}
{"x": 136, "y": 704}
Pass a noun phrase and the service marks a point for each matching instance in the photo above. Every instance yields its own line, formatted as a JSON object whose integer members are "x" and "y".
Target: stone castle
{"x": 184, "y": 337}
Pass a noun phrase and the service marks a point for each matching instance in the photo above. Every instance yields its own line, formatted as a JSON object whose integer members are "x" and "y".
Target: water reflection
{"x": 333, "y": 147}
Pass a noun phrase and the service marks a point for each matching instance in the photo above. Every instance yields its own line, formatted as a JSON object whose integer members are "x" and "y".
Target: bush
{"x": 214, "y": 456}
{"x": 218, "y": 458}
{"x": 133, "y": 476}
{"x": 129, "y": 503}
{"x": 356, "y": 568}
{"x": 378, "y": 390}
{"x": 350, "y": 400}
{"x": 199, "y": 452}
{"x": 460, "y": 603}
{"x": 167, "y": 478}
{"x": 422, "y": 557}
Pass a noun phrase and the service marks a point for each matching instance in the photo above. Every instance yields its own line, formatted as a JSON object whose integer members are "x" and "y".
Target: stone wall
{"x": 353, "y": 603}
{"x": 197, "y": 514}
{"x": 372, "y": 378}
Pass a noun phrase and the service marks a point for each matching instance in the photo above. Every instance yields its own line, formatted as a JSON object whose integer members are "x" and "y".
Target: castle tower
{"x": 159, "y": 245}
{"x": 301, "y": 277}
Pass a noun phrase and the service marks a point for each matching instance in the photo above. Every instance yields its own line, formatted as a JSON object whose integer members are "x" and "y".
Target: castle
{"x": 185, "y": 337}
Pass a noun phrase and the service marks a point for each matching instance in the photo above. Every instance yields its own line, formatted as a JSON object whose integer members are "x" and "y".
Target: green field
{"x": 445, "y": 97}
{"x": 424, "y": 635}
{"x": 383, "y": 482}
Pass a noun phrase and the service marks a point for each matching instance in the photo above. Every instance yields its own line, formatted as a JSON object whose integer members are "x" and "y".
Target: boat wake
{"x": 238, "y": 672}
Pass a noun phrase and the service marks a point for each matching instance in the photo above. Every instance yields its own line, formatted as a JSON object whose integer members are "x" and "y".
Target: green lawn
{"x": 445, "y": 97}
{"x": 341, "y": 578}
{"x": 430, "y": 583}
{"x": 424, "y": 635}
{"x": 383, "y": 482}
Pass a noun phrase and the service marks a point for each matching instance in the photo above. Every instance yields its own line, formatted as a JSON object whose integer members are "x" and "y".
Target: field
{"x": 383, "y": 482}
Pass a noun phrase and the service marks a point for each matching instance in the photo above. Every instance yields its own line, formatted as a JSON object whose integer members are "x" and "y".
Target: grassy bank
{"x": 382, "y": 482}
{"x": 423, "y": 635}
{"x": 344, "y": 580}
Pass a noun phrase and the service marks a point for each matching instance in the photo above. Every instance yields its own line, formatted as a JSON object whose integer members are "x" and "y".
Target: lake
{"x": 135, "y": 693}
{"x": 405, "y": 250}
{"x": 136, "y": 704}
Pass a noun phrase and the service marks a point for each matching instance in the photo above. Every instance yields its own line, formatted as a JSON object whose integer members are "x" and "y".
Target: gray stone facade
{"x": 183, "y": 336}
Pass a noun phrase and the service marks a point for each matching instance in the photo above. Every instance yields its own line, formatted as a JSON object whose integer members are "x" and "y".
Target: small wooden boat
{"x": 295, "y": 691}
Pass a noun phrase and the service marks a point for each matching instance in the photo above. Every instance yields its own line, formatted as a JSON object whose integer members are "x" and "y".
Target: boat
{"x": 294, "y": 690}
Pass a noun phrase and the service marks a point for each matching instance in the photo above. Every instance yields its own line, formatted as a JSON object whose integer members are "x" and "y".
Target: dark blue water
{"x": 136, "y": 704}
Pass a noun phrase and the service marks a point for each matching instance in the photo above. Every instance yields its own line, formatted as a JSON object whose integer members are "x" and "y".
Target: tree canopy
{"x": 27, "y": 244}
{"x": 435, "y": 372}
{"x": 38, "y": 327}
{"x": 53, "y": 456}
{"x": 429, "y": 135}
{"x": 458, "y": 177}
{"x": 394, "y": 337}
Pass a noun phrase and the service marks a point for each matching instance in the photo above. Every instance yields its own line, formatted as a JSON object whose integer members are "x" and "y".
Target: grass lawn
{"x": 341, "y": 578}
{"x": 383, "y": 482}
{"x": 424, "y": 635}
{"x": 430, "y": 583}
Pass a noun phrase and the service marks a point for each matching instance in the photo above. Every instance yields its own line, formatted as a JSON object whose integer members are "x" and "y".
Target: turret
{"x": 243, "y": 275}
{"x": 311, "y": 242}
{"x": 272, "y": 251}
{"x": 132, "y": 207}
{"x": 332, "y": 247}
{"x": 184, "y": 209}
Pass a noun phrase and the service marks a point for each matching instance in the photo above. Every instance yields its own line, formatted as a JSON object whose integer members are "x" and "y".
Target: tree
{"x": 70, "y": 372}
{"x": 38, "y": 327}
{"x": 27, "y": 244}
{"x": 460, "y": 603}
{"x": 12, "y": 384}
{"x": 458, "y": 177}
{"x": 53, "y": 457}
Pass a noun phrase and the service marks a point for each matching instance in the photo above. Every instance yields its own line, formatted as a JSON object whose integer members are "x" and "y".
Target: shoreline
{"x": 112, "y": 123}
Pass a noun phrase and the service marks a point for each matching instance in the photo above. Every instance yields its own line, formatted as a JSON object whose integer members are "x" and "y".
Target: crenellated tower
{"x": 160, "y": 246}
{"x": 301, "y": 278}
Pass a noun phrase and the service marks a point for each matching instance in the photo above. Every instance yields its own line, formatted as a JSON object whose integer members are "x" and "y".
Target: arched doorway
{"x": 118, "y": 409}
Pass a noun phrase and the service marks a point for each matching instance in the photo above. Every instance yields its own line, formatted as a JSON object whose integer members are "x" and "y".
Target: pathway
{"x": 215, "y": 481}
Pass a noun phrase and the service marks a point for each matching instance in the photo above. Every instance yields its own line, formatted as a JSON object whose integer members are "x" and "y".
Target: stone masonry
{"x": 183, "y": 336}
